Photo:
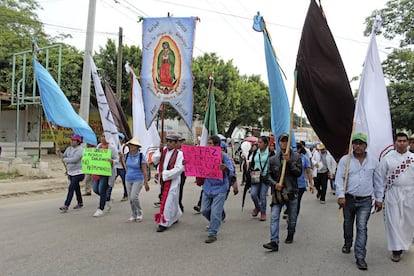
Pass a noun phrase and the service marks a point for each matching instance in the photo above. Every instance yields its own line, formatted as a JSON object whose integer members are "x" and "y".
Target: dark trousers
{"x": 321, "y": 184}
{"x": 180, "y": 196}
{"x": 121, "y": 172}
{"x": 300, "y": 194}
{"x": 74, "y": 187}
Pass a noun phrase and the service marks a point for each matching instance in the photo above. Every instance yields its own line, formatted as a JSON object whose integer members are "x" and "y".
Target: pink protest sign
{"x": 202, "y": 161}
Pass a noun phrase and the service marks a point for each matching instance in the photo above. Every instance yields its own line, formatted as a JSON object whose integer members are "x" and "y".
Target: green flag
{"x": 210, "y": 122}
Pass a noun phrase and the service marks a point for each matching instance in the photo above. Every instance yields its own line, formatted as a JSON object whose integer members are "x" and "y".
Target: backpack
{"x": 140, "y": 163}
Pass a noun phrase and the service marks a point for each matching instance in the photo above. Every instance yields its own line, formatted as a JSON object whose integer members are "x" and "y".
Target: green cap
{"x": 360, "y": 136}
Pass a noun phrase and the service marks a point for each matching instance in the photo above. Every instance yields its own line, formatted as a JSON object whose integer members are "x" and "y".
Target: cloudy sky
{"x": 225, "y": 27}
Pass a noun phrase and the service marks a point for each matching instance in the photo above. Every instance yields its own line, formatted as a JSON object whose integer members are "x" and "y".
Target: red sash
{"x": 159, "y": 217}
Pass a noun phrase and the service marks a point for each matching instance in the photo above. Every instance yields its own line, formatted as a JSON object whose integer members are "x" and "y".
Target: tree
{"x": 18, "y": 25}
{"x": 106, "y": 61}
{"x": 399, "y": 66}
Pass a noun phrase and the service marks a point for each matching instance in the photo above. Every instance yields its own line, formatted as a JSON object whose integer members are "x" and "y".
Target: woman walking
{"x": 72, "y": 157}
{"x": 136, "y": 176}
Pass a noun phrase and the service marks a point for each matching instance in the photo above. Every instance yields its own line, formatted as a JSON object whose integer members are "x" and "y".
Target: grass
{"x": 9, "y": 175}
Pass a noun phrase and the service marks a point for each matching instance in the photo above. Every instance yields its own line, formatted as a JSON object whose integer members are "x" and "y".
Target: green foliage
{"x": 398, "y": 23}
{"x": 240, "y": 100}
{"x": 397, "y": 19}
{"x": 18, "y": 25}
{"x": 106, "y": 60}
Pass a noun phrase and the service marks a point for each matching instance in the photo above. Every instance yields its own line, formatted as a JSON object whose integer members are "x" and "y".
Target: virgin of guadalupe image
{"x": 165, "y": 69}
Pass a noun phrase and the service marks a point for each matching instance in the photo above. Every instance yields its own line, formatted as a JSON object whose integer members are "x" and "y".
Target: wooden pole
{"x": 282, "y": 175}
{"x": 348, "y": 162}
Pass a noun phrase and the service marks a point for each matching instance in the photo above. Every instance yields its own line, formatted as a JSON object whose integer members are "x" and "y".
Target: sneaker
{"x": 263, "y": 217}
{"x": 87, "y": 194}
{"x": 323, "y": 202}
{"x": 125, "y": 198}
{"x": 108, "y": 205}
{"x": 157, "y": 204}
{"x": 78, "y": 206}
{"x": 210, "y": 239}
{"x": 64, "y": 208}
{"x": 138, "y": 219}
{"x": 272, "y": 246}
{"x": 255, "y": 212}
{"x": 131, "y": 219}
{"x": 98, "y": 213}
{"x": 197, "y": 208}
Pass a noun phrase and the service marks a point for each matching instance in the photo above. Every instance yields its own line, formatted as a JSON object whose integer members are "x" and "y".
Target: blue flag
{"x": 279, "y": 103}
{"x": 57, "y": 108}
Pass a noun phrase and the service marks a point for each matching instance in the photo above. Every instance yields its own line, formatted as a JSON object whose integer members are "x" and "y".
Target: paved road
{"x": 38, "y": 240}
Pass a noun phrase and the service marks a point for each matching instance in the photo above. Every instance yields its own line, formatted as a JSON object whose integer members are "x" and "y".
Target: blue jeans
{"x": 292, "y": 207}
{"x": 212, "y": 207}
{"x": 361, "y": 210}
{"x": 258, "y": 193}
{"x": 74, "y": 187}
{"x": 100, "y": 187}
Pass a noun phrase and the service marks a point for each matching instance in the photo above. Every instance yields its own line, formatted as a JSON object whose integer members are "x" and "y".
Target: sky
{"x": 225, "y": 28}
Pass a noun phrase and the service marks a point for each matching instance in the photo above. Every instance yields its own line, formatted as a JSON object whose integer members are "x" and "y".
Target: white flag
{"x": 108, "y": 123}
{"x": 372, "y": 111}
{"x": 150, "y": 139}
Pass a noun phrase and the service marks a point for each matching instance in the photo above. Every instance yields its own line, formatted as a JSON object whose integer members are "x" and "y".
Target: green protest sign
{"x": 96, "y": 161}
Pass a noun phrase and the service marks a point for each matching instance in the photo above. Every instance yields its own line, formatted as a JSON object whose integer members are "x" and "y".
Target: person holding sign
{"x": 170, "y": 167}
{"x": 136, "y": 176}
{"x": 72, "y": 157}
{"x": 215, "y": 192}
{"x": 100, "y": 182}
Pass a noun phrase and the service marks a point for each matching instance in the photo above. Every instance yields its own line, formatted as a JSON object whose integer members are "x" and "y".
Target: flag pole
{"x": 348, "y": 163}
{"x": 282, "y": 175}
{"x": 162, "y": 121}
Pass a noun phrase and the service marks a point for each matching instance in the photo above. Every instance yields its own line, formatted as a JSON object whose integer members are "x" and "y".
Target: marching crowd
{"x": 362, "y": 184}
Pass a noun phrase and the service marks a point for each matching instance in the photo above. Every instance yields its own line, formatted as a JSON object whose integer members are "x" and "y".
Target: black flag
{"x": 118, "y": 114}
{"x": 322, "y": 83}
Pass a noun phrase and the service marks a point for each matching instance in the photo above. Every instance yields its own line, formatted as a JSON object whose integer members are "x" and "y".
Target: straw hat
{"x": 134, "y": 141}
{"x": 320, "y": 146}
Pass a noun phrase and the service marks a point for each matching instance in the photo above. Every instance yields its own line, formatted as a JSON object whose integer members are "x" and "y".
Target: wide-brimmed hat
{"x": 360, "y": 136}
{"x": 320, "y": 146}
{"x": 134, "y": 141}
{"x": 76, "y": 137}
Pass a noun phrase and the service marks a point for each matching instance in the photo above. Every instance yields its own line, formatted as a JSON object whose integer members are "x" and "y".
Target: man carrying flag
{"x": 355, "y": 198}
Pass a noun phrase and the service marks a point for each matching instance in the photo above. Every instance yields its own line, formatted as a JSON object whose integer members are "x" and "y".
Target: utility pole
{"x": 86, "y": 75}
{"x": 119, "y": 67}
